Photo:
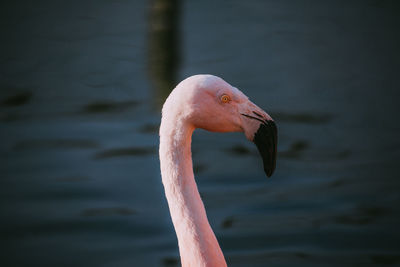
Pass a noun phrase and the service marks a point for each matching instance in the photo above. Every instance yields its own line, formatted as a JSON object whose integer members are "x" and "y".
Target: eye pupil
{"x": 225, "y": 98}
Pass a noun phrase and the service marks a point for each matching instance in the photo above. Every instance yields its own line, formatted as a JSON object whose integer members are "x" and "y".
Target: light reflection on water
{"x": 79, "y": 116}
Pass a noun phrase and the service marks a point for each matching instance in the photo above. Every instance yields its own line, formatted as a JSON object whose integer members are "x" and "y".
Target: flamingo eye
{"x": 225, "y": 99}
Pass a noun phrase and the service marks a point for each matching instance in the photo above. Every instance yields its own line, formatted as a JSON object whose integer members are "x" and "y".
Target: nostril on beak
{"x": 258, "y": 114}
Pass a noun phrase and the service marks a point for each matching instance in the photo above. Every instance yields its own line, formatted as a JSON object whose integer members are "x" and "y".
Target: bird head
{"x": 210, "y": 103}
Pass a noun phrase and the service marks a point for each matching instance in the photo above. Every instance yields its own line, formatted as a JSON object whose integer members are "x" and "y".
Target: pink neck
{"x": 198, "y": 245}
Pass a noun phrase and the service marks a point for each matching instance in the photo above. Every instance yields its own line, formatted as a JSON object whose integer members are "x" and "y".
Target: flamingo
{"x": 210, "y": 103}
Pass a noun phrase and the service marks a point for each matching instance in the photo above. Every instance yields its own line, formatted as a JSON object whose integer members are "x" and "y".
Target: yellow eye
{"x": 225, "y": 99}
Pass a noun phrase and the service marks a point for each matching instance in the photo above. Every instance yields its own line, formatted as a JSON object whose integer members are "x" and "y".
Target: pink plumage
{"x": 208, "y": 102}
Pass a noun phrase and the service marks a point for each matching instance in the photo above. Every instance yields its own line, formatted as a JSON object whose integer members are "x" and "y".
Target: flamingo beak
{"x": 266, "y": 141}
{"x": 265, "y": 138}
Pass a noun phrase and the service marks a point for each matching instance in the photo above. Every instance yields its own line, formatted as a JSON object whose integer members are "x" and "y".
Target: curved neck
{"x": 198, "y": 245}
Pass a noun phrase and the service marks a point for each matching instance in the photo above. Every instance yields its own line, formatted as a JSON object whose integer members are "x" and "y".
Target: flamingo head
{"x": 212, "y": 104}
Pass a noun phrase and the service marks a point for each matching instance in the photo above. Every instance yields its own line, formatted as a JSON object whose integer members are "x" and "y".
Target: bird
{"x": 208, "y": 102}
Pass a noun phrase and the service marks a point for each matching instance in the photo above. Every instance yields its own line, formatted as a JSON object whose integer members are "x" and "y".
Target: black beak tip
{"x": 269, "y": 172}
{"x": 266, "y": 141}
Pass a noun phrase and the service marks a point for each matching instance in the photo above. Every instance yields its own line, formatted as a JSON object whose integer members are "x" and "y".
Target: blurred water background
{"x": 81, "y": 86}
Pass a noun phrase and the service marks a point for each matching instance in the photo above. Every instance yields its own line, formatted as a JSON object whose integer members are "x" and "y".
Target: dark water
{"x": 81, "y": 86}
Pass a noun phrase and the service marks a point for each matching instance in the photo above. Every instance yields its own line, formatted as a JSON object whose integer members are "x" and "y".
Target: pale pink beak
{"x": 263, "y": 132}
